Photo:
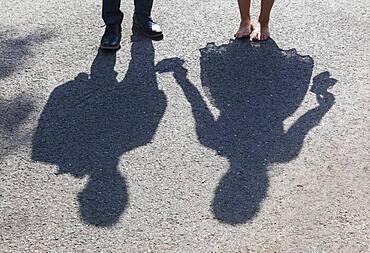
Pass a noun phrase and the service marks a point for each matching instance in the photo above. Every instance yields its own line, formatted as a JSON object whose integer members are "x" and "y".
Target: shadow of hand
{"x": 321, "y": 84}
{"x": 175, "y": 65}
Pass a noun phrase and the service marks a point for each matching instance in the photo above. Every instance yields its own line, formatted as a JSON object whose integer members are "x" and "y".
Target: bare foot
{"x": 244, "y": 31}
{"x": 260, "y": 33}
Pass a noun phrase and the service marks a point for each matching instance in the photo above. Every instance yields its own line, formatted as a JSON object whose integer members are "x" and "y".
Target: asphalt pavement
{"x": 196, "y": 143}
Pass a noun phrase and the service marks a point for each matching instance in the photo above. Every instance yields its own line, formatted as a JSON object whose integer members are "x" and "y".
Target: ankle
{"x": 263, "y": 23}
{"x": 245, "y": 21}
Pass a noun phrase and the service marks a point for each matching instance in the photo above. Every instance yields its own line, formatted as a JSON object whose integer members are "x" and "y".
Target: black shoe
{"x": 147, "y": 27}
{"x": 111, "y": 38}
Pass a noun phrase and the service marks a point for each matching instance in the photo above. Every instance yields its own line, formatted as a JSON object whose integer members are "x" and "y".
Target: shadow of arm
{"x": 292, "y": 141}
{"x": 203, "y": 117}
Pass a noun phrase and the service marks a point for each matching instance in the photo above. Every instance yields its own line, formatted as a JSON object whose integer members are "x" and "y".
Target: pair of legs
{"x": 112, "y": 15}
{"x": 142, "y": 23}
{"x": 259, "y": 31}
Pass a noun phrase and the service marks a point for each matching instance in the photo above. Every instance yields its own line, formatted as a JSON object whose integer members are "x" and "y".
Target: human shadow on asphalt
{"x": 90, "y": 122}
{"x": 255, "y": 88}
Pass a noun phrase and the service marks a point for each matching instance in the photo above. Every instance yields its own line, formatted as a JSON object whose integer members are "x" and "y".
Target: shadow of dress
{"x": 255, "y": 88}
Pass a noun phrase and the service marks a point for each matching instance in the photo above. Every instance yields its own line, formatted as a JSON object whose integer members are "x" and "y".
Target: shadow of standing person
{"x": 90, "y": 122}
{"x": 255, "y": 90}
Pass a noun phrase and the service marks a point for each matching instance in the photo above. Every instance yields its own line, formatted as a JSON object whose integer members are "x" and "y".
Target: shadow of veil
{"x": 255, "y": 87}
{"x": 90, "y": 122}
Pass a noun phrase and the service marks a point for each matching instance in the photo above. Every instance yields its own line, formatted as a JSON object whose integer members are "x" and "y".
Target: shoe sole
{"x": 150, "y": 36}
{"x": 110, "y": 48}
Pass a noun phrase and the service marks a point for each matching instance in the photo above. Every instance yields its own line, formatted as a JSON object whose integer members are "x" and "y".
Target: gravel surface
{"x": 196, "y": 143}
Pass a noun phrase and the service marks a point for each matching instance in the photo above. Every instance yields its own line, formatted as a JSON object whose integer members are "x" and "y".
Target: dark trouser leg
{"x": 112, "y": 14}
{"x": 143, "y": 8}
{"x": 142, "y": 23}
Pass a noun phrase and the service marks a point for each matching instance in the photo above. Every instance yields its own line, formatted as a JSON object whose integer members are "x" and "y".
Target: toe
{"x": 253, "y": 36}
{"x": 267, "y": 36}
{"x": 258, "y": 37}
{"x": 237, "y": 34}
